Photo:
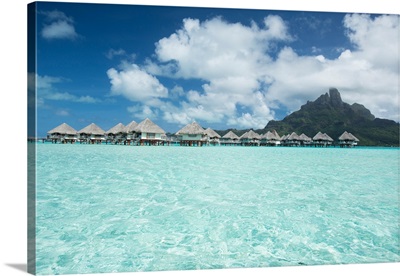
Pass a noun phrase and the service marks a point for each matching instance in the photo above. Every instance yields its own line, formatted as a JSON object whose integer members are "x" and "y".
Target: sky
{"x": 223, "y": 68}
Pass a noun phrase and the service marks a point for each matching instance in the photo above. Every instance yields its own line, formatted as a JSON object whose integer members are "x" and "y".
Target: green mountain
{"x": 330, "y": 115}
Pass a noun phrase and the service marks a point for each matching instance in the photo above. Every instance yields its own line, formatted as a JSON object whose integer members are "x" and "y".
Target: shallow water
{"x": 110, "y": 208}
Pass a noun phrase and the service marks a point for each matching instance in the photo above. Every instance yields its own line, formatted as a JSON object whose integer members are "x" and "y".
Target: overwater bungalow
{"x": 230, "y": 139}
{"x": 354, "y": 137}
{"x": 191, "y": 135}
{"x": 270, "y": 139}
{"x": 292, "y": 140}
{"x": 283, "y": 139}
{"x": 250, "y": 138}
{"x": 322, "y": 140}
{"x": 91, "y": 134}
{"x": 62, "y": 134}
{"x": 130, "y": 132}
{"x": 212, "y": 137}
{"x": 116, "y": 134}
{"x": 305, "y": 140}
{"x": 148, "y": 133}
{"x": 329, "y": 139}
{"x": 347, "y": 140}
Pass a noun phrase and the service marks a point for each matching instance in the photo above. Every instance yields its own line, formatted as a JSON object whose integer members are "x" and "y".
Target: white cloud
{"x": 229, "y": 58}
{"x": 59, "y": 30}
{"x": 135, "y": 84}
{"x": 60, "y": 26}
{"x": 259, "y": 117}
{"x": 376, "y": 39}
{"x": 367, "y": 75}
{"x": 177, "y": 91}
{"x": 216, "y": 49}
{"x": 143, "y": 111}
{"x": 242, "y": 82}
{"x": 276, "y": 28}
{"x": 180, "y": 118}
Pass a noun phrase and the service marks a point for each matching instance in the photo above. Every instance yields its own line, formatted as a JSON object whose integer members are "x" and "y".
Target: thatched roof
{"x": 266, "y": 135}
{"x": 92, "y": 129}
{"x": 130, "y": 127}
{"x": 348, "y": 136}
{"x": 304, "y": 137}
{"x": 284, "y": 137}
{"x": 322, "y": 137}
{"x": 293, "y": 136}
{"x": 230, "y": 135}
{"x": 250, "y": 135}
{"x": 276, "y": 135}
{"x": 345, "y": 136}
{"x": 211, "y": 133}
{"x": 118, "y": 128}
{"x": 327, "y": 137}
{"x": 271, "y": 135}
{"x": 63, "y": 129}
{"x": 148, "y": 126}
{"x": 354, "y": 137}
{"x": 193, "y": 128}
{"x": 319, "y": 136}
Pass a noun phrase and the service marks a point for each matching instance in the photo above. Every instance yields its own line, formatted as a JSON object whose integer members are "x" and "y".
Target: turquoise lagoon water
{"x": 109, "y": 208}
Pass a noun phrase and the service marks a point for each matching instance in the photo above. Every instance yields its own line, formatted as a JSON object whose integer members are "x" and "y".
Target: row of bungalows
{"x": 251, "y": 138}
{"x": 295, "y": 140}
{"x": 319, "y": 140}
{"x": 146, "y": 132}
{"x": 272, "y": 138}
{"x": 194, "y": 135}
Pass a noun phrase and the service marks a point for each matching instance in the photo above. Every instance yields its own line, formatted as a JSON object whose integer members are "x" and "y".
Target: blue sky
{"x": 224, "y": 68}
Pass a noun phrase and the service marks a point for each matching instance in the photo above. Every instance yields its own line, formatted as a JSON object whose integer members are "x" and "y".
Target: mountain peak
{"x": 332, "y": 98}
{"x": 336, "y": 99}
{"x": 329, "y": 114}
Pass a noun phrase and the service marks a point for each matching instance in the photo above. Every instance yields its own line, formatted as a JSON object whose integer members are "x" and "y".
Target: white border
{"x": 13, "y": 121}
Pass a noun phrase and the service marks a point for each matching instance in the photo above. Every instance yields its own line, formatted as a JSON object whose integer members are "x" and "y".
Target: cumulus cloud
{"x": 227, "y": 57}
{"x": 143, "y": 111}
{"x": 244, "y": 77}
{"x": 375, "y": 39}
{"x": 368, "y": 74}
{"x": 58, "y": 26}
{"x": 136, "y": 84}
{"x": 216, "y": 49}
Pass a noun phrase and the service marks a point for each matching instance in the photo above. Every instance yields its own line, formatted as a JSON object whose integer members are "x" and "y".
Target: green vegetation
{"x": 329, "y": 114}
